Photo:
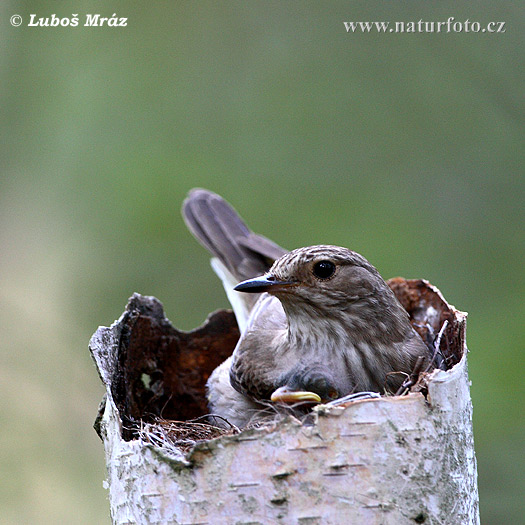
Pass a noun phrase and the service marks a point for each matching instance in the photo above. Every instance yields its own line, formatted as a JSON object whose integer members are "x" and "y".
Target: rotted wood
{"x": 397, "y": 459}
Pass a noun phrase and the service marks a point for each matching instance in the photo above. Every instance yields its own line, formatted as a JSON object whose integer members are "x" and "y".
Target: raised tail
{"x": 238, "y": 253}
{"x": 218, "y": 227}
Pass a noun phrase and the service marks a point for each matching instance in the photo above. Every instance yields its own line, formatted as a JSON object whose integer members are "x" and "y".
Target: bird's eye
{"x": 324, "y": 269}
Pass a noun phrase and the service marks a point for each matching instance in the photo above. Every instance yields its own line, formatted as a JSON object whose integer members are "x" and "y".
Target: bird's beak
{"x": 264, "y": 283}
{"x": 284, "y": 395}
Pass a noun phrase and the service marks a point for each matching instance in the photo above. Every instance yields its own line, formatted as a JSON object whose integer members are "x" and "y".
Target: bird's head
{"x": 332, "y": 297}
{"x": 321, "y": 277}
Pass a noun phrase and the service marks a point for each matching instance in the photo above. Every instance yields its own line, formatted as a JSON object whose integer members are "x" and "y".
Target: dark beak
{"x": 265, "y": 283}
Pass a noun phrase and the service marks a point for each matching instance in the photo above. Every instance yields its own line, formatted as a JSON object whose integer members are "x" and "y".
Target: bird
{"x": 317, "y": 323}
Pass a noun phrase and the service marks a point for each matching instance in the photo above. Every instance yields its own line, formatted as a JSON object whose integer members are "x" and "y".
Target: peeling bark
{"x": 393, "y": 460}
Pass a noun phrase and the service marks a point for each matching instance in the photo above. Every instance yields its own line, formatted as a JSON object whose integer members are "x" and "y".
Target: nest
{"x": 174, "y": 437}
{"x": 158, "y": 374}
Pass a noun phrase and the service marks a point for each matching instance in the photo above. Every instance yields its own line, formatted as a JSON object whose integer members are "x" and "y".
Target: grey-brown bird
{"x": 324, "y": 323}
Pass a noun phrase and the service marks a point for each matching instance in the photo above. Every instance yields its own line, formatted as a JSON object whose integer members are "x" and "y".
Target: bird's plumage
{"x": 324, "y": 321}
{"x": 351, "y": 322}
{"x": 218, "y": 227}
{"x": 238, "y": 253}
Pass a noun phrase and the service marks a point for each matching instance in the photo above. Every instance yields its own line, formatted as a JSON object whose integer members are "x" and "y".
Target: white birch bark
{"x": 392, "y": 460}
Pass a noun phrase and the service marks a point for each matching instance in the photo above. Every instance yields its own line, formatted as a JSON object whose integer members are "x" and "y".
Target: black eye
{"x": 324, "y": 269}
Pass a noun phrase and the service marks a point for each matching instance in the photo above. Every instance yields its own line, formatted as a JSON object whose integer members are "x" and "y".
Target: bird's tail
{"x": 218, "y": 227}
{"x": 238, "y": 253}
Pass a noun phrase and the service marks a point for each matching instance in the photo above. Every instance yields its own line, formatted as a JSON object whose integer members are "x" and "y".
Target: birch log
{"x": 392, "y": 460}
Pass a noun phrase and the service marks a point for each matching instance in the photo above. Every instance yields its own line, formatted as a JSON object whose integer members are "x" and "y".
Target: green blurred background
{"x": 405, "y": 147}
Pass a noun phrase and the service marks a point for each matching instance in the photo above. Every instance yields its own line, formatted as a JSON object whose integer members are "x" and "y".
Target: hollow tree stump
{"x": 392, "y": 460}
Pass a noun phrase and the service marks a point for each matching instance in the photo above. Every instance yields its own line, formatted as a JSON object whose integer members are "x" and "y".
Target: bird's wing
{"x": 261, "y": 355}
{"x": 226, "y": 402}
